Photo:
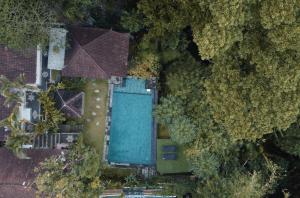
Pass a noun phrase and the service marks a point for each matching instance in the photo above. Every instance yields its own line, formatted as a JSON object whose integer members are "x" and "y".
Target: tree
{"x": 254, "y": 48}
{"x": 182, "y": 130}
{"x": 169, "y": 108}
{"x": 145, "y": 66}
{"x": 17, "y": 136}
{"x": 24, "y": 23}
{"x": 75, "y": 173}
{"x": 260, "y": 74}
{"x": 52, "y": 116}
{"x": 166, "y": 17}
{"x": 240, "y": 184}
{"x": 74, "y": 10}
{"x": 13, "y": 91}
{"x": 251, "y": 100}
{"x": 289, "y": 140}
{"x": 132, "y": 21}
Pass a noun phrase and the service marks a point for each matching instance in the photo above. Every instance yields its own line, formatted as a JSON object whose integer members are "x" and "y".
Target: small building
{"x": 71, "y": 103}
{"x": 57, "y": 48}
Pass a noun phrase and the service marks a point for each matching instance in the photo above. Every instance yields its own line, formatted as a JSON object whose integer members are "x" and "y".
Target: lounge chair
{"x": 169, "y": 148}
{"x": 169, "y": 156}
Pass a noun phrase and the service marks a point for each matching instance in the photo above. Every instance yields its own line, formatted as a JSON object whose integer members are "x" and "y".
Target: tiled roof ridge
{"x": 70, "y": 108}
{"x": 82, "y": 47}
{"x": 107, "y": 32}
{"x": 96, "y": 38}
{"x": 68, "y": 104}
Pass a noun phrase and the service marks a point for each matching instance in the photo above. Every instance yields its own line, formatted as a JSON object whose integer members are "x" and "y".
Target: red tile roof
{"x": 70, "y": 102}
{"x": 16, "y": 191}
{"x": 12, "y": 64}
{"x": 96, "y": 53}
{"x": 17, "y": 175}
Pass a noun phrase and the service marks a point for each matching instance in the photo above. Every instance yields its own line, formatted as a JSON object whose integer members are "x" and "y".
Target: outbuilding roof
{"x": 71, "y": 103}
{"x": 57, "y": 45}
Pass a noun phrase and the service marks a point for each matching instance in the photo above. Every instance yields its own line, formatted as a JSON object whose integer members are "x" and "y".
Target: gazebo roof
{"x": 71, "y": 103}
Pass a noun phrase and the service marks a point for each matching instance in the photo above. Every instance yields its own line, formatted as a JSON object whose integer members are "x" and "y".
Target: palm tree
{"x": 13, "y": 90}
{"x": 17, "y": 136}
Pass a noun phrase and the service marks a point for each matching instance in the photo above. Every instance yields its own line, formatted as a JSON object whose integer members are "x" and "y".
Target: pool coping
{"x": 112, "y": 82}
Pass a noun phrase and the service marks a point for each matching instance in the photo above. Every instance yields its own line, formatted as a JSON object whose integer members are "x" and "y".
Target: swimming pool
{"x": 131, "y": 130}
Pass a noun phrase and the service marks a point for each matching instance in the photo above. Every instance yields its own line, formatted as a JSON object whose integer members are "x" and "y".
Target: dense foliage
{"x": 52, "y": 116}
{"x": 71, "y": 174}
{"x": 238, "y": 185}
{"x": 13, "y": 91}
{"x": 229, "y": 74}
{"x": 289, "y": 141}
{"x": 254, "y": 46}
{"x": 246, "y": 87}
{"x": 17, "y": 136}
{"x": 24, "y": 23}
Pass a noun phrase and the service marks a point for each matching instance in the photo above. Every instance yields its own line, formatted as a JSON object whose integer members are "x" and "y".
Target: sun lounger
{"x": 169, "y": 148}
{"x": 169, "y": 156}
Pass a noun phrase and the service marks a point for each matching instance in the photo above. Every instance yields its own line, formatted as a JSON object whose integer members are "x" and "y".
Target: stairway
{"x": 47, "y": 141}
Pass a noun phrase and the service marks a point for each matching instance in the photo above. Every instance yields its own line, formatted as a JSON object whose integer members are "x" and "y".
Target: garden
{"x": 95, "y": 109}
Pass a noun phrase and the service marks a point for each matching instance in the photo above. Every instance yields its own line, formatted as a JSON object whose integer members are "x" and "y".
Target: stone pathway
{"x": 98, "y": 106}
{"x": 94, "y": 113}
{"x": 98, "y": 99}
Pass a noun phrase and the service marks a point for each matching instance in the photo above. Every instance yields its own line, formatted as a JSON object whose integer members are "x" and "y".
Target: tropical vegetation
{"x": 229, "y": 79}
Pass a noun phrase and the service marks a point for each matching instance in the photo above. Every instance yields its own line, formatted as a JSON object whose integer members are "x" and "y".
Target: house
{"x": 28, "y": 62}
{"x": 96, "y": 53}
{"x": 17, "y": 176}
{"x": 93, "y": 53}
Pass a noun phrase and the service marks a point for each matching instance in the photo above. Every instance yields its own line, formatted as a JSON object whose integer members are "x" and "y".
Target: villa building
{"x": 93, "y": 53}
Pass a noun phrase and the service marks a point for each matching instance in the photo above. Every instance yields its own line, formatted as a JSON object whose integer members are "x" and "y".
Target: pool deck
{"x": 116, "y": 81}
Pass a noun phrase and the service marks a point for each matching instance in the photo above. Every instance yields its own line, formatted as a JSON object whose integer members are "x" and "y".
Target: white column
{"x": 39, "y": 62}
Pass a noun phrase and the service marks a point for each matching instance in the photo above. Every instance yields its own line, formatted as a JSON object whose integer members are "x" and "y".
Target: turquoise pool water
{"x": 131, "y": 132}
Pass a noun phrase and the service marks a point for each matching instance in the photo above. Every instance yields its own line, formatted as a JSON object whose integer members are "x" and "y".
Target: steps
{"x": 47, "y": 141}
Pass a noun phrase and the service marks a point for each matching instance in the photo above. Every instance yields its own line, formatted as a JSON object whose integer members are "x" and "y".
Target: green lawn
{"x": 95, "y": 113}
{"x": 180, "y": 165}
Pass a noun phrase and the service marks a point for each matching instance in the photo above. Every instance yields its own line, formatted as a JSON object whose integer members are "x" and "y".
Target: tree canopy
{"x": 77, "y": 172}
{"x": 254, "y": 49}
{"x": 24, "y": 23}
